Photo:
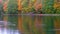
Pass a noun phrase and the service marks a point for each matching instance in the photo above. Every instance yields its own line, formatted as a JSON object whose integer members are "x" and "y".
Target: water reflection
{"x": 8, "y": 25}
{"x": 29, "y": 24}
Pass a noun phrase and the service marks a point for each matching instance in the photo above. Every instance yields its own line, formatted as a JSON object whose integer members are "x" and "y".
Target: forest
{"x": 12, "y": 11}
{"x": 30, "y": 6}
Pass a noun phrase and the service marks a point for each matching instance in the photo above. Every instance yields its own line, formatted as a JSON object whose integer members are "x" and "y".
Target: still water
{"x": 29, "y": 24}
{"x": 8, "y": 25}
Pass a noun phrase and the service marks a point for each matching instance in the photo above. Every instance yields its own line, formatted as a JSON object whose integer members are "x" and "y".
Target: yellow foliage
{"x": 56, "y": 5}
{"x": 19, "y": 5}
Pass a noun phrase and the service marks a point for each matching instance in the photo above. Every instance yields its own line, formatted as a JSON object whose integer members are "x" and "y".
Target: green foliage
{"x": 46, "y": 9}
{"x": 12, "y": 7}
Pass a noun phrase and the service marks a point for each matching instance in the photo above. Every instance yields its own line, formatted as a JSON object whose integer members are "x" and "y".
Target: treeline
{"x": 31, "y": 6}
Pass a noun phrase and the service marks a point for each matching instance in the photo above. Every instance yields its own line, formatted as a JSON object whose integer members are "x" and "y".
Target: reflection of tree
{"x": 20, "y": 24}
{"x": 57, "y": 24}
{"x": 12, "y": 19}
{"x": 49, "y": 24}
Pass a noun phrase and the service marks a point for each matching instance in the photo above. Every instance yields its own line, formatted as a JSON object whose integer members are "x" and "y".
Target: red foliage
{"x": 38, "y": 6}
{"x": 0, "y": 1}
{"x": 5, "y": 6}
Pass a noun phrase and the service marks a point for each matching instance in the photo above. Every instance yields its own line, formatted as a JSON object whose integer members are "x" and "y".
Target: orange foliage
{"x": 38, "y": 6}
{"x": 19, "y": 5}
{"x": 5, "y": 5}
{"x": 56, "y": 5}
